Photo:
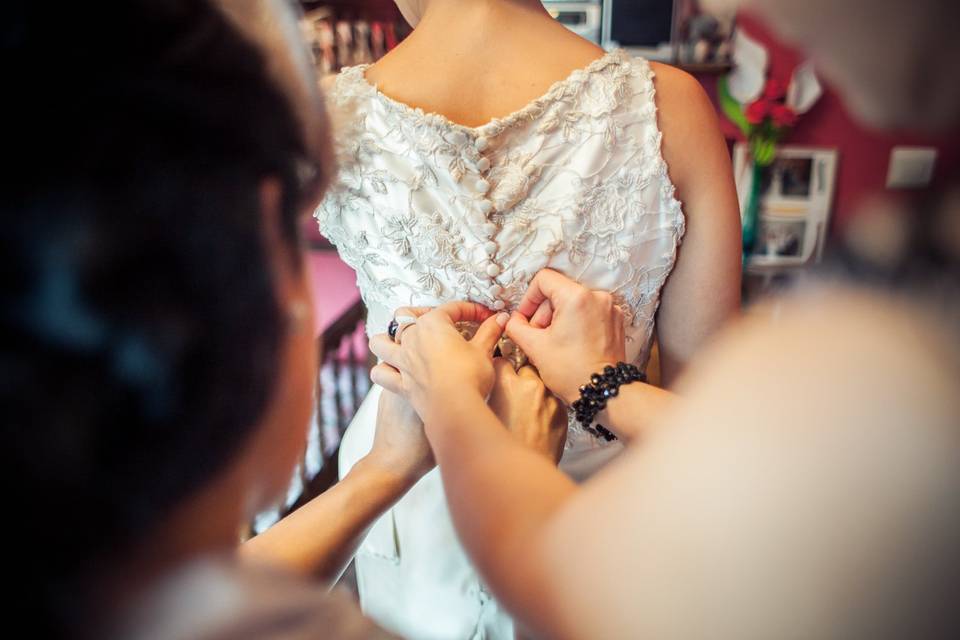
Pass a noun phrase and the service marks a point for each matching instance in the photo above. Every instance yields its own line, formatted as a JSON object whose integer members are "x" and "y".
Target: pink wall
{"x": 334, "y": 287}
{"x": 864, "y": 153}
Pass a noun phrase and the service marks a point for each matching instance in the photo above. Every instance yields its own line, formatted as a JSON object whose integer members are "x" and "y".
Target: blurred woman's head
{"x": 155, "y": 314}
{"x": 892, "y": 60}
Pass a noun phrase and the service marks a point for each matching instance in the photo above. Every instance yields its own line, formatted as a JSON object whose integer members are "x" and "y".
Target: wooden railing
{"x": 342, "y": 382}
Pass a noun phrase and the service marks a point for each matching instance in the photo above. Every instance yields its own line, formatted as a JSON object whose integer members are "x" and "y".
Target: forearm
{"x": 501, "y": 496}
{"x": 320, "y": 538}
{"x": 632, "y": 412}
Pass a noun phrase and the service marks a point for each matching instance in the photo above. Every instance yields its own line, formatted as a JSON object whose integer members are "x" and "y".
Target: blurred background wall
{"x": 864, "y": 154}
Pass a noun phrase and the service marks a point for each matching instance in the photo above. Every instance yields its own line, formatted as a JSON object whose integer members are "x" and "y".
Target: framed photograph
{"x": 796, "y": 199}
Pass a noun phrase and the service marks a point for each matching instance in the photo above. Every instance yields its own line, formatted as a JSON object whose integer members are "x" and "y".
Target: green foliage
{"x": 731, "y": 108}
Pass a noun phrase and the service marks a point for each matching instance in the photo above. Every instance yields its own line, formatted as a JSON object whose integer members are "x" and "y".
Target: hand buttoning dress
{"x": 427, "y": 211}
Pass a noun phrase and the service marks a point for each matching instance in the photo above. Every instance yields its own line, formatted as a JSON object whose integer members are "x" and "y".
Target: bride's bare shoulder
{"x": 686, "y": 117}
{"x": 679, "y": 95}
{"x": 397, "y": 61}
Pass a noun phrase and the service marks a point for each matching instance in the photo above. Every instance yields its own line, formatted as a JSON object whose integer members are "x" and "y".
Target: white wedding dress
{"x": 427, "y": 211}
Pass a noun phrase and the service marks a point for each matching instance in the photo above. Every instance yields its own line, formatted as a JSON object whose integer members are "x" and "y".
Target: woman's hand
{"x": 434, "y": 364}
{"x": 567, "y": 331}
{"x": 399, "y": 446}
{"x": 531, "y": 413}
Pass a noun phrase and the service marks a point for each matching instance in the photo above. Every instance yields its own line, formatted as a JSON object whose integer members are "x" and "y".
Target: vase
{"x": 751, "y": 212}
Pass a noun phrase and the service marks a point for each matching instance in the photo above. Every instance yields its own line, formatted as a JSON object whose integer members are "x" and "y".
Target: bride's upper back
{"x": 474, "y": 62}
{"x": 464, "y": 171}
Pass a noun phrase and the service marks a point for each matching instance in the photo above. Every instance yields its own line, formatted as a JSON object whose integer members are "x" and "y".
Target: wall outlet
{"x": 911, "y": 167}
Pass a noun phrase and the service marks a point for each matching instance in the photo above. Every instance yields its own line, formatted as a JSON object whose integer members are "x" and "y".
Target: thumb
{"x": 489, "y": 332}
{"x": 525, "y": 336}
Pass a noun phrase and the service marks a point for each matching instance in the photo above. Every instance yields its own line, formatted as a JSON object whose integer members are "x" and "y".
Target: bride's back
{"x": 427, "y": 211}
{"x": 475, "y": 61}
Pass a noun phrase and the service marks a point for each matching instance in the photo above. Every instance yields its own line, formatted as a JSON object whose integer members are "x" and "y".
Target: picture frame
{"x": 796, "y": 201}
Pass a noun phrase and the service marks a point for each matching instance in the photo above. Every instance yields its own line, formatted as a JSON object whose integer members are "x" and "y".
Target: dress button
{"x": 493, "y": 270}
{"x": 490, "y": 247}
{"x": 459, "y": 137}
{"x": 481, "y": 143}
{"x": 494, "y": 290}
{"x": 486, "y": 206}
{"x": 476, "y": 218}
{"x": 490, "y": 229}
{"x": 482, "y": 186}
{"x": 498, "y": 305}
{"x": 483, "y": 164}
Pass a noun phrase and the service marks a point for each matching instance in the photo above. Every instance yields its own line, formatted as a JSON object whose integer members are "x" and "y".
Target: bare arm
{"x": 501, "y": 494}
{"x": 732, "y": 519}
{"x": 636, "y": 410}
{"x": 703, "y": 291}
{"x": 448, "y": 380}
{"x": 503, "y": 497}
{"x": 528, "y": 449}
{"x": 320, "y": 538}
{"x": 725, "y": 522}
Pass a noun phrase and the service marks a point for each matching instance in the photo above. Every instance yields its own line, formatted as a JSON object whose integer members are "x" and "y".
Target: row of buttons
{"x": 485, "y": 208}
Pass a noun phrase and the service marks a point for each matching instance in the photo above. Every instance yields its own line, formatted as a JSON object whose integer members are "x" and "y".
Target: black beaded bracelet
{"x": 602, "y": 387}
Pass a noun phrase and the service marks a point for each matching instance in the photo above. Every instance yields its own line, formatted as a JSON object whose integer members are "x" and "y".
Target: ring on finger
{"x": 403, "y": 323}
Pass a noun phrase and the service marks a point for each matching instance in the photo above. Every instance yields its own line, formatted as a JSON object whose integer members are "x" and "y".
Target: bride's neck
{"x": 444, "y": 14}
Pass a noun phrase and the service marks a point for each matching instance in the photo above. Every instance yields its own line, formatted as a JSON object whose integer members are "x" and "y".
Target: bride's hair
{"x": 140, "y": 323}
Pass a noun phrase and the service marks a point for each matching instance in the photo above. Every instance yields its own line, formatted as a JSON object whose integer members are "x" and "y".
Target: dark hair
{"x": 141, "y": 330}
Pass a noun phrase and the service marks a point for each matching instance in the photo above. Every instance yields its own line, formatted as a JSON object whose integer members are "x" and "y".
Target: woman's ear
{"x": 288, "y": 267}
{"x": 283, "y": 254}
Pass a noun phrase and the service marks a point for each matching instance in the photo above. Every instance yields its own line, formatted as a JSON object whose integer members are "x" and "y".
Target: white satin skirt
{"x": 413, "y": 575}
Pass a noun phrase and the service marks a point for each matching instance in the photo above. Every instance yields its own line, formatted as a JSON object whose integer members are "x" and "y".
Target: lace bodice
{"x": 428, "y": 211}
